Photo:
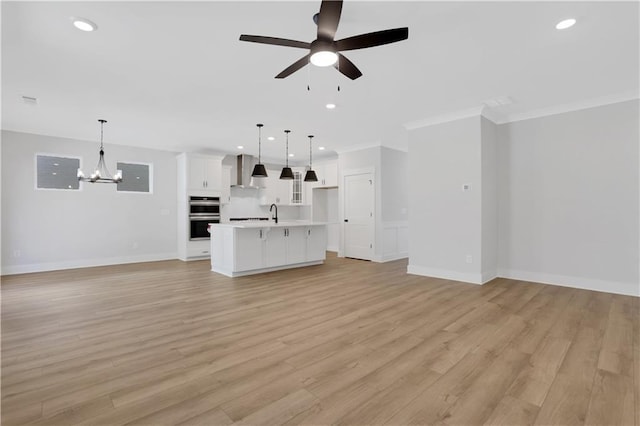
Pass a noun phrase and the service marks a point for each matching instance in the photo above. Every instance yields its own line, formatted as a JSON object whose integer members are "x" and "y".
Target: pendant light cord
{"x": 310, "y": 153}
{"x": 287, "y": 158}
{"x": 101, "y": 133}
{"x": 259, "y": 143}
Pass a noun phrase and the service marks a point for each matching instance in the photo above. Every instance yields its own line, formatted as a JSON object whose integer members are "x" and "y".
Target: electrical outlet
{"x": 469, "y": 258}
{"x": 16, "y": 253}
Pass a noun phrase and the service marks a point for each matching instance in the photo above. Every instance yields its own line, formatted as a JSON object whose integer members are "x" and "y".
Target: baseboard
{"x": 390, "y": 257}
{"x": 627, "y": 289}
{"x": 488, "y": 276}
{"x": 84, "y": 263}
{"x": 447, "y": 274}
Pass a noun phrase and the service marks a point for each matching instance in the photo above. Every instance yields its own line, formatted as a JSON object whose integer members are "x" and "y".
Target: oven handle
{"x": 204, "y": 203}
{"x": 206, "y": 217}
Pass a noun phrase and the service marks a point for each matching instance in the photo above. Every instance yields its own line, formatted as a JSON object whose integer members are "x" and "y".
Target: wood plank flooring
{"x": 348, "y": 342}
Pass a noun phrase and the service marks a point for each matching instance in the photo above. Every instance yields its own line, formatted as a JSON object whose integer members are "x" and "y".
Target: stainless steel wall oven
{"x": 202, "y": 212}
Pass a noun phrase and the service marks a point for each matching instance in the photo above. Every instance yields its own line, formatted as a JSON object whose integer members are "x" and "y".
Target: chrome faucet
{"x": 276, "y": 215}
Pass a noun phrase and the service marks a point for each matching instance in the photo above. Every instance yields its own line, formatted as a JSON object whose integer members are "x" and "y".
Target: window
{"x": 54, "y": 172}
{"x": 136, "y": 177}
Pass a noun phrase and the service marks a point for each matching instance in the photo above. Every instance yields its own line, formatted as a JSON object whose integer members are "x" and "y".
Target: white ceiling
{"x": 173, "y": 75}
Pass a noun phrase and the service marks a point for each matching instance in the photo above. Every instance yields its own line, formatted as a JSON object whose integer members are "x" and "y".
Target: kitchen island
{"x": 251, "y": 248}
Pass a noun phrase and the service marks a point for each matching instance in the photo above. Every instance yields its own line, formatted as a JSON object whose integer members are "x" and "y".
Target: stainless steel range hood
{"x": 244, "y": 168}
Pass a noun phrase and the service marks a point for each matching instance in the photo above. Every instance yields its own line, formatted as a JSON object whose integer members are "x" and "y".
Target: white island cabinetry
{"x": 254, "y": 248}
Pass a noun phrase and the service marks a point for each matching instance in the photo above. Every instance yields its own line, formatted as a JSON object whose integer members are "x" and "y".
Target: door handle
{"x": 346, "y": 220}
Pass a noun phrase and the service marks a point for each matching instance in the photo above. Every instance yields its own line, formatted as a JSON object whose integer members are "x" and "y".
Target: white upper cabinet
{"x": 327, "y": 175}
{"x": 204, "y": 173}
{"x": 330, "y": 177}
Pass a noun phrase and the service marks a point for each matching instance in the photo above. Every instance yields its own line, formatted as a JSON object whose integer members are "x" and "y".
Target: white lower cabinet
{"x": 316, "y": 242}
{"x": 241, "y": 251}
{"x": 296, "y": 244}
{"x": 275, "y": 247}
{"x": 249, "y": 249}
{"x": 286, "y": 246}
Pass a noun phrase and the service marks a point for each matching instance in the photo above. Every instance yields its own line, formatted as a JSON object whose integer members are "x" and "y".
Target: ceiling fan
{"x": 324, "y": 50}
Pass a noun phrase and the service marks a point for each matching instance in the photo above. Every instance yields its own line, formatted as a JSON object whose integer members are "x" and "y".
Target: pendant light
{"x": 287, "y": 173}
{"x": 310, "y": 176}
{"x": 258, "y": 170}
{"x": 101, "y": 173}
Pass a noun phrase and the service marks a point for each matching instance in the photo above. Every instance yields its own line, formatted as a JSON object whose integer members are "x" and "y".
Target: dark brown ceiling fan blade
{"x": 346, "y": 67}
{"x": 328, "y": 18}
{"x": 377, "y": 38}
{"x": 294, "y": 67}
{"x": 275, "y": 41}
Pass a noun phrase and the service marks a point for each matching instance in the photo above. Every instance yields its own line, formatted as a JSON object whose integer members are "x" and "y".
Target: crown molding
{"x": 492, "y": 115}
{"x": 572, "y": 106}
{"x": 358, "y": 147}
{"x": 396, "y": 148}
{"x": 444, "y": 118}
{"x": 499, "y": 118}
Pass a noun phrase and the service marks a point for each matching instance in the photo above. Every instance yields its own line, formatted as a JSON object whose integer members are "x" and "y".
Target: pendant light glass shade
{"x": 310, "y": 176}
{"x": 101, "y": 173}
{"x": 287, "y": 173}
{"x": 259, "y": 170}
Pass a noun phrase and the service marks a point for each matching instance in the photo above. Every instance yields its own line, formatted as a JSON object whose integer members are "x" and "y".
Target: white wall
{"x": 569, "y": 188}
{"x": 444, "y": 220}
{"x": 489, "y": 194}
{"x": 394, "y": 182}
{"x": 49, "y": 229}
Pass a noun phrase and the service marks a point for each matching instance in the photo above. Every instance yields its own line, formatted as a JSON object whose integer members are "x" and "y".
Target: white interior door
{"x": 358, "y": 216}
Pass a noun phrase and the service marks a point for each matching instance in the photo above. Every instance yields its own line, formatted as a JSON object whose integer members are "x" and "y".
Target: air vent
{"x": 30, "y": 100}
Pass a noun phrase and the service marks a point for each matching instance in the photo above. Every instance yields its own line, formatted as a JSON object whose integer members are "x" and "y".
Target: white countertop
{"x": 268, "y": 224}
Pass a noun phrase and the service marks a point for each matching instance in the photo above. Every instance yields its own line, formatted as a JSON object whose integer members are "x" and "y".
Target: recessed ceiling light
{"x": 271, "y": 138}
{"x": 240, "y": 147}
{"x": 321, "y": 148}
{"x": 84, "y": 24}
{"x": 290, "y": 155}
{"x": 567, "y": 23}
{"x": 331, "y": 106}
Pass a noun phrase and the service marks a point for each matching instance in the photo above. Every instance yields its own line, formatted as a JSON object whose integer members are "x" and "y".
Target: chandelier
{"x": 101, "y": 173}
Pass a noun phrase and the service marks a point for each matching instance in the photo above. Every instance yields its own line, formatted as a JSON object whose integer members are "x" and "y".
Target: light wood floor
{"x": 348, "y": 342}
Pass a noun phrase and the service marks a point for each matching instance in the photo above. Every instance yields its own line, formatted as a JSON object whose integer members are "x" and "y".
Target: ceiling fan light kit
{"x": 323, "y": 53}
{"x": 325, "y": 50}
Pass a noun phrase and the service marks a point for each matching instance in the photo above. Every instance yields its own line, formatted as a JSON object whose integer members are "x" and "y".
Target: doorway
{"x": 358, "y": 215}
